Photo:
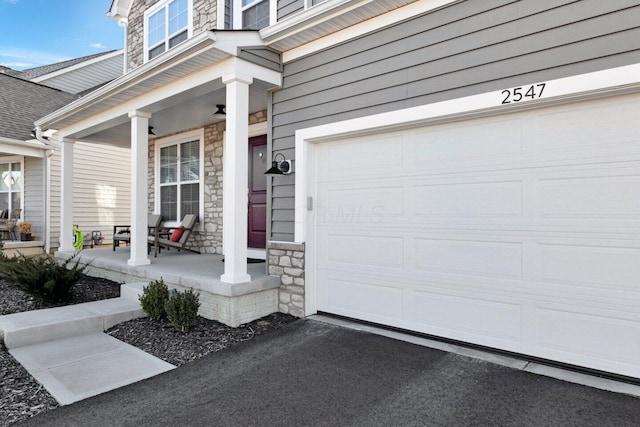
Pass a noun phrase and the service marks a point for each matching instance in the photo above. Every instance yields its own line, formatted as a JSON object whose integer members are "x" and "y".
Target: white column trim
{"x": 139, "y": 187}
{"x": 235, "y": 182}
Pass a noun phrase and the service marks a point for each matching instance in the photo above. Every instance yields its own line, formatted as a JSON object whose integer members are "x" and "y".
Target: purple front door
{"x": 258, "y": 164}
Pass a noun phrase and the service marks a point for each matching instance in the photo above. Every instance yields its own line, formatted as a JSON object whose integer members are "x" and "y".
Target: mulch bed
{"x": 22, "y": 397}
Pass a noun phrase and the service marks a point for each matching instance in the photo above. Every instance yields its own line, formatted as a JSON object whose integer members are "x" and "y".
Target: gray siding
{"x": 266, "y": 57}
{"x": 228, "y": 14}
{"x": 34, "y": 195}
{"x": 287, "y": 8}
{"x": 467, "y": 48}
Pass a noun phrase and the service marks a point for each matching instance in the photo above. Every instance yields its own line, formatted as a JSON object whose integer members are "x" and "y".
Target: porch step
{"x": 33, "y": 327}
{"x": 132, "y": 291}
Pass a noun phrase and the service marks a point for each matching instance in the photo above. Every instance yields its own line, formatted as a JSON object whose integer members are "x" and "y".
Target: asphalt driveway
{"x": 314, "y": 374}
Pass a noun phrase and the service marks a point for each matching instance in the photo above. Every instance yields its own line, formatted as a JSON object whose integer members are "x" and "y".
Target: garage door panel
{"x": 571, "y": 335}
{"x": 459, "y": 316}
{"x": 442, "y": 146}
{"x": 355, "y": 204}
{"x": 587, "y": 130}
{"x": 478, "y": 258}
{"x": 603, "y": 197}
{"x": 365, "y": 250}
{"x": 377, "y": 300}
{"x": 600, "y": 267}
{"x": 469, "y": 200}
{"x": 367, "y": 157}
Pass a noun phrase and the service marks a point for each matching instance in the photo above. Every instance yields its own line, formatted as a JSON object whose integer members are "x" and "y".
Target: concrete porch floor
{"x": 232, "y": 304}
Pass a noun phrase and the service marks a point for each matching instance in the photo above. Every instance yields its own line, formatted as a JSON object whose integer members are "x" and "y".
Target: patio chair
{"x": 122, "y": 233}
{"x": 178, "y": 237}
{"x": 8, "y": 225}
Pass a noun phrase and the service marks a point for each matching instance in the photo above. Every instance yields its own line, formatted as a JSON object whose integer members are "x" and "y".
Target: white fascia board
{"x": 78, "y": 66}
{"x": 305, "y": 20}
{"x": 22, "y": 148}
{"x": 599, "y": 84}
{"x": 120, "y": 9}
{"x": 232, "y": 41}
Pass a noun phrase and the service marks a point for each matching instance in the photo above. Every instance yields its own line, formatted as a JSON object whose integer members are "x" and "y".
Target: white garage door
{"x": 519, "y": 232}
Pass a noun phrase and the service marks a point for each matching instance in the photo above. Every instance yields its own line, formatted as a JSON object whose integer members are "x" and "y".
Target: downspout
{"x": 47, "y": 186}
{"x": 123, "y": 22}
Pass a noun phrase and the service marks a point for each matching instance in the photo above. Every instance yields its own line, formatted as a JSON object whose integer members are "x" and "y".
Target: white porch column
{"x": 139, "y": 187}
{"x": 235, "y": 184}
{"x": 66, "y": 196}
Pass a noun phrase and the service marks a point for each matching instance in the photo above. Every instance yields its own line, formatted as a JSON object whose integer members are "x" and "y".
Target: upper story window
{"x": 252, "y": 14}
{"x": 166, "y": 24}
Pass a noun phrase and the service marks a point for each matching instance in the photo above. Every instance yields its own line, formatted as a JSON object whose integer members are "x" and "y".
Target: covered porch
{"x": 170, "y": 97}
{"x": 231, "y": 304}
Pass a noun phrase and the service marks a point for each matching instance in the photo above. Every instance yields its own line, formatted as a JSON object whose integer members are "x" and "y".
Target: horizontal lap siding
{"x": 287, "y": 8}
{"x": 102, "y": 188}
{"x": 468, "y": 48}
{"x": 34, "y": 195}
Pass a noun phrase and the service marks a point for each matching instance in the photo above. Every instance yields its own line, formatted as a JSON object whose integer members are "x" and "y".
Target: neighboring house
{"x": 465, "y": 169}
{"x": 34, "y": 167}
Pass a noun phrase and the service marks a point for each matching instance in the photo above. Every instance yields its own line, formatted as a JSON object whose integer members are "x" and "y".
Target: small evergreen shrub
{"x": 43, "y": 277}
{"x": 182, "y": 309}
{"x": 153, "y": 299}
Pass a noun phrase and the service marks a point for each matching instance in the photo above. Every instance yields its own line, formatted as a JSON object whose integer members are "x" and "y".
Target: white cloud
{"x": 98, "y": 46}
{"x": 11, "y": 1}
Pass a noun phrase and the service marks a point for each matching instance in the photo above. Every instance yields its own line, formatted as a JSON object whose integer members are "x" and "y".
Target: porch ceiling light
{"x": 151, "y": 131}
{"x": 279, "y": 167}
{"x": 220, "y": 114}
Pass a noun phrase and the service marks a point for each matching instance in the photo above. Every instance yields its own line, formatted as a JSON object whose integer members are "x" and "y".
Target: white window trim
{"x": 17, "y": 159}
{"x": 154, "y": 9}
{"x": 197, "y": 134}
{"x": 238, "y": 9}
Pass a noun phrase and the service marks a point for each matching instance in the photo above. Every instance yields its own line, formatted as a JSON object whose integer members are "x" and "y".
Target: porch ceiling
{"x": 179, "y": 88}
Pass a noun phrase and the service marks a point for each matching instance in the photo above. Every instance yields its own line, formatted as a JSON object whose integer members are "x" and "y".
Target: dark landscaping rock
{"x": 22, "y": 397}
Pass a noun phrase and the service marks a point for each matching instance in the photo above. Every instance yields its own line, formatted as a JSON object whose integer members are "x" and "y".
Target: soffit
{"x": 324, "y": 19}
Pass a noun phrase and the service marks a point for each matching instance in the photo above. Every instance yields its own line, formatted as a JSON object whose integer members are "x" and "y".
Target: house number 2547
{"x": 518, "y": 94}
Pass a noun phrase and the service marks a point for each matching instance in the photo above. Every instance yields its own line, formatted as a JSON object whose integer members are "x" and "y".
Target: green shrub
{"x": 182, "y": 309}
{"x": 43, "y": 277}
{"x": 153, "y": 299}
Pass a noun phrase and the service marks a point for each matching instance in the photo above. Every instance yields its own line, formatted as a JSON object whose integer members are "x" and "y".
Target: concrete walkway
{"x": 312, "y": 373}
{"x": 66, "y": 351}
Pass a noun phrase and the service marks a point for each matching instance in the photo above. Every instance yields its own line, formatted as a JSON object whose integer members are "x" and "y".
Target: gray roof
{"x": 36, "y": 72}
{"x": 23, "y": 102}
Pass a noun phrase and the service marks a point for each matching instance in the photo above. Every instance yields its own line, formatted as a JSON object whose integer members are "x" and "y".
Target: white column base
{"x": 229, "y": 278}
{"x": 136, "y": 262}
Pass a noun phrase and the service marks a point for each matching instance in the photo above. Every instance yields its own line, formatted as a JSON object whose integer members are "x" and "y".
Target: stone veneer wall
{"x": 208, "y": 240}
{"x": 286, "y": 259}
{"x": 204, "y": 18}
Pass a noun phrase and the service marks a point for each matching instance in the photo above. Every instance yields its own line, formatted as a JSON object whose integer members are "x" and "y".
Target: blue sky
{"x": 41, "y": 32}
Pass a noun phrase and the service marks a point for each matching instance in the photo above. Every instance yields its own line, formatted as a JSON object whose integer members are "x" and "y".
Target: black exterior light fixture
{"x": 220, "y": 114}
{"x": 282, "y": 167}
{"x": 151, "y": 131}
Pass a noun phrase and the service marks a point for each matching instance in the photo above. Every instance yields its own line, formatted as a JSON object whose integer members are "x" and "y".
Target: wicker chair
{"x": 8, "y": 225}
